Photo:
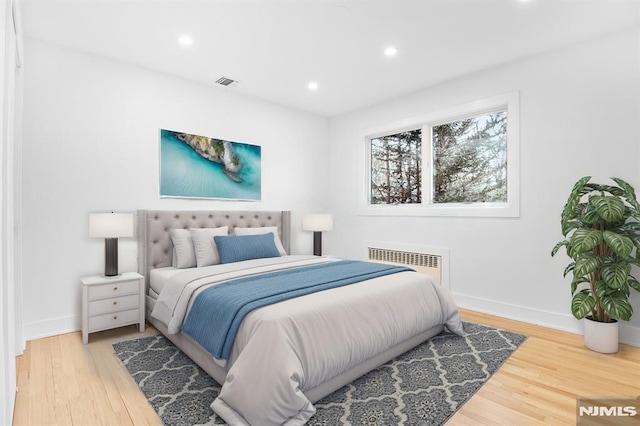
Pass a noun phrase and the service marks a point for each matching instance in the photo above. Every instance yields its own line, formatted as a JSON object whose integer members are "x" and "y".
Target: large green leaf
{"x": 629, "y": 193}
{"x": 611, "y": 189}
{"x": 609, "y": 207}
{"x": 582, "y": 304}
{"x": 578, "y": 209}
{"x": 586, "y": 264}
{"x": 569, "y": 268}
{"x": 632, "y": 227}
{"x": 571, "y": 251}
{"x": 630, "y": 230}
{"x": 557, "y": 247}
{"x": 633, "y": 283}
{"x": 571, "y": 225}
{"x": 617, "y": 306}
{"x": 576, "y": 282}
{"x": 585, "y": 239}
{"x": 601, "y": 289}
{"x": 615, "y": 274}
{"x": 590, "y": 215}
{"x": 621, "y": 245}
{"x": 574, "y": 199}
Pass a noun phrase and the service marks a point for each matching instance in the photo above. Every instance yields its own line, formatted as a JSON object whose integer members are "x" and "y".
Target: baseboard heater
{"x": 427, "y": 260}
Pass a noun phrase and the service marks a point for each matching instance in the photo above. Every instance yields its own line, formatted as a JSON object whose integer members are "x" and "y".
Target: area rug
{"x": 424, "y": 386}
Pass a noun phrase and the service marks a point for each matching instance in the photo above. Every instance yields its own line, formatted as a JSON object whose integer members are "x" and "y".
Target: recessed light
{"x": 313, "y": 85}
{"x": 390, "y": 51}
{"x": 185, "y": 40}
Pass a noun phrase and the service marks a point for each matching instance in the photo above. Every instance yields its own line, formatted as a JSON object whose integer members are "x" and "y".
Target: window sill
{"x": 458, "y": 210}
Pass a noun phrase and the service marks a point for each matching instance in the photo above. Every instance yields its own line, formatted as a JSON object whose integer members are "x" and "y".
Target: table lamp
{"x": 317, "y": 223}
{"x": 110, "y": 226}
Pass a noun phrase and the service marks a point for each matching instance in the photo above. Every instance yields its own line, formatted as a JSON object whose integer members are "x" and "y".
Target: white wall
{"x": 91, "y": 143}
{"x": 10, "y": 89}
{"x": 578, "y": 116}
{"x": 7, "y": 368}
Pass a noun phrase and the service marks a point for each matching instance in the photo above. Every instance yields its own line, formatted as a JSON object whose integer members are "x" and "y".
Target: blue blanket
{"x": 217, "y": 312}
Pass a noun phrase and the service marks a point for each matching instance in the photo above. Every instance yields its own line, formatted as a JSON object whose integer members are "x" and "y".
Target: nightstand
{"x": 110, "y": 302}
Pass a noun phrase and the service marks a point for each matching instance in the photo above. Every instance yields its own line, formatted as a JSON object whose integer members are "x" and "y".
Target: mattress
{"x": 159, "y": 277}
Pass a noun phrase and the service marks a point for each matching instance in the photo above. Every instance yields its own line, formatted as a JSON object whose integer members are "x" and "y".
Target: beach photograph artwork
{"x": 193, "y": 166}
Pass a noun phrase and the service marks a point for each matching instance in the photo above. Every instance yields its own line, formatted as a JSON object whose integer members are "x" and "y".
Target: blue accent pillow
{"x": 236, "y": 248}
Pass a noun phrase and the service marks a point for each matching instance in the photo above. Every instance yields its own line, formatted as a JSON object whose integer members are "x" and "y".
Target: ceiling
{"x": 274, "y": 48}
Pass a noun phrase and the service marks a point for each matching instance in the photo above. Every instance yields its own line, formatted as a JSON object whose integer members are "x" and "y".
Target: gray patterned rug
{"x": 424, "y": 386}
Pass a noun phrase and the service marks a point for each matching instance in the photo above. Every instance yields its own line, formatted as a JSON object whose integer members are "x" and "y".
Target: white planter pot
{"x": 601, "y": 336}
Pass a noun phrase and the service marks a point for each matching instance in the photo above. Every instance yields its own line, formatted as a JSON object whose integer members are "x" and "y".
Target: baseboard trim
{"x": 629, "y": 334}
{"x": 52, "y": 327}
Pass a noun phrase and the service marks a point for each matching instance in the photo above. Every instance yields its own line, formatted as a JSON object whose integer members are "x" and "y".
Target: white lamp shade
{"x": 110, "y": 225}
{"x": 317, "y": 222}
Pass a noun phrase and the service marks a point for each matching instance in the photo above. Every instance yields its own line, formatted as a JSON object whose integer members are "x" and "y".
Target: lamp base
{"x": 317, "y": 243}
{"x": 110, "y": 257}
{"x": 111, "y": 277}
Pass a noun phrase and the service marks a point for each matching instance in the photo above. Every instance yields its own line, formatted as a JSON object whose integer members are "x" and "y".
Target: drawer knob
{"x": 115, "y": 317}
{"x": 115, "y": 288}
{"x": 115, "y": 302}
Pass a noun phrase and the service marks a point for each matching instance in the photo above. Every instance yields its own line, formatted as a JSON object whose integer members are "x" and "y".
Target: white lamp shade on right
{"x": 317, "y": 222}
{"x": 110, "y": 225}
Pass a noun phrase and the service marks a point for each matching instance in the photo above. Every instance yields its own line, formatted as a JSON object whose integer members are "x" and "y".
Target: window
{"x": 469, "y": 160}
{"x": 462, "y": 162}
{"x": 396, "y": 170}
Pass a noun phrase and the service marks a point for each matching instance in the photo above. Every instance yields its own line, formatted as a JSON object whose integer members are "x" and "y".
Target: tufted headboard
{"x": 155, "y": 249}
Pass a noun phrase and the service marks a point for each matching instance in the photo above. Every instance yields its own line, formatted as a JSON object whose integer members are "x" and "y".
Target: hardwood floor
{"x": 62, "y": 382}
{"x": 540, "y": 382}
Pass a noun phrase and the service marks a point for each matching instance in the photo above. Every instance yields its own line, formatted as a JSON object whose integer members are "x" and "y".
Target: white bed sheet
{"x": 158, "y": 277}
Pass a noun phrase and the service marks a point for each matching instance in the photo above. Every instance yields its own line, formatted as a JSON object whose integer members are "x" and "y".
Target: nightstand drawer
{"x": 113, "y": 290}
{"x": 113, "y": 304}
{"x": 116, "y": 319}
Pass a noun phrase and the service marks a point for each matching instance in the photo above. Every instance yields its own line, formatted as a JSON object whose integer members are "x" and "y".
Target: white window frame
{"x": 511, "y": 208}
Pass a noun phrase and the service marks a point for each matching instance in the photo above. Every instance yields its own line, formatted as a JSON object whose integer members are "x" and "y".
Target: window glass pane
{"x": 470, "y": 160}
{"x": 396, "y": 168}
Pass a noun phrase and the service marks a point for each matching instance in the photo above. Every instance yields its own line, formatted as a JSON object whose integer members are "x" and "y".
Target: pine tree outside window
{"x": 462, "y": 162}
{"x": 396, "y": 170}
{"x": 469, "y": 159}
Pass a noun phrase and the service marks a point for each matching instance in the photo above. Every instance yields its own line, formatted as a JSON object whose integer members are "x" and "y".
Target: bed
{"x": 287, "y": 355}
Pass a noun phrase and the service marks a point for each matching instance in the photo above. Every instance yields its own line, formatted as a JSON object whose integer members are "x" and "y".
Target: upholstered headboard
{"x": 155, "y": 249}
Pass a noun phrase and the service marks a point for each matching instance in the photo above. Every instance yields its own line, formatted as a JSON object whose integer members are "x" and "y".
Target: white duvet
{"x": 283, "y": 349}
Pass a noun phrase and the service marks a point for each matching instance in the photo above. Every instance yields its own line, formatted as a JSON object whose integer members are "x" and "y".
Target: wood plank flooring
{"x": 540, "y": 382}
{"x": 63, "y": 382}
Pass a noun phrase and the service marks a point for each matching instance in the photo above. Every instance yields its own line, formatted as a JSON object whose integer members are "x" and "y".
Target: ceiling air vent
{"x": 225, "y": 81}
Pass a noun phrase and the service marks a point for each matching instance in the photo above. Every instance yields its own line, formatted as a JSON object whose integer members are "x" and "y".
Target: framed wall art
{"x": 193, "y": 166}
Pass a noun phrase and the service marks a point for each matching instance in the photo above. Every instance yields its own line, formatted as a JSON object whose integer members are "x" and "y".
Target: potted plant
{"x": 602, "y": 238}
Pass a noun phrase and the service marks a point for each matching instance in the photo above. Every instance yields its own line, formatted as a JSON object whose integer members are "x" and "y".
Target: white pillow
{"x": 183, "y": 252}
{"x": 204, "y": 246}
{"x": 264, "y": 230}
